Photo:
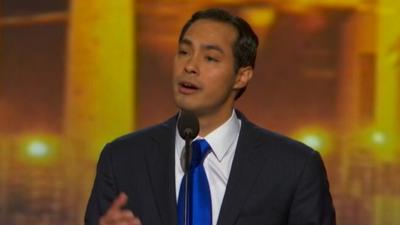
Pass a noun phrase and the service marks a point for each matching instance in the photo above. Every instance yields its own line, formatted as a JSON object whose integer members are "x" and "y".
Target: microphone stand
{"x": 188, "y": 127}
{"x": 188, "y": 157}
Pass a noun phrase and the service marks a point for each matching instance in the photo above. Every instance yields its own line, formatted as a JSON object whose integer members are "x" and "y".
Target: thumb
{"x": 119, "y": 202}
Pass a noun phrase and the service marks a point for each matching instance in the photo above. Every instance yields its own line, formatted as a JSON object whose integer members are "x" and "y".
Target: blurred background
{"x": 77, "y": 74}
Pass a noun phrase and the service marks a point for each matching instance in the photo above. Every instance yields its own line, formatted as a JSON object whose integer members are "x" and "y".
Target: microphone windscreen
{"x": 188, "y": 125}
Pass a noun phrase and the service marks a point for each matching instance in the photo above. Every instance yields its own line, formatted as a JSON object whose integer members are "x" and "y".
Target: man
{"x": 254, "y": 176}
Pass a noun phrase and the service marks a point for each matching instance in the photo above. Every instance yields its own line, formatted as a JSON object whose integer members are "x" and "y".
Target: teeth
{"x": 188, "y": 85}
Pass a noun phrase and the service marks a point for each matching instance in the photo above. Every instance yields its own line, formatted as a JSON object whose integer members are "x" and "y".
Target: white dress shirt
{"x": 217, "y": 164}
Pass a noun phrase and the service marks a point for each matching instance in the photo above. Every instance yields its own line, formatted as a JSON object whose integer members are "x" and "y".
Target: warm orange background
{"x": 76, "y": 74}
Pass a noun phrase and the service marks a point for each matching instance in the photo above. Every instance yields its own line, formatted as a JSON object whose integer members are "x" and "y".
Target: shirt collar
{"x": 220, "y": 139}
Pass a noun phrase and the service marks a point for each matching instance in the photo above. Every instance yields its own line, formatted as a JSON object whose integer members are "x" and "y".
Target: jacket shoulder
{"x": 143, "y": 137}
{"x": 280, "y": 144}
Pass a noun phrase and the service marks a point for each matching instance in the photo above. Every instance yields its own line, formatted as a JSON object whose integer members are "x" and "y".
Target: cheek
{"x": 175, "y": 75}
{"x": 174, "y": 68}
{"x": 222, "y": 82}
{"x": 177, "y": 67}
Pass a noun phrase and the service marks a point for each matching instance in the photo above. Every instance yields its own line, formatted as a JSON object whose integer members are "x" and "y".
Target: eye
{"x": 211, "y": 59}
{"x": 182, "y": 52}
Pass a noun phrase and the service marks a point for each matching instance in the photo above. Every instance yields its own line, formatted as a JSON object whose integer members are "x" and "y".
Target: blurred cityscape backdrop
{"x": 76, "y": 74}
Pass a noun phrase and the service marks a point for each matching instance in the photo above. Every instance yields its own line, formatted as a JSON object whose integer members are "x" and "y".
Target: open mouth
{"x": 187, "y": 87}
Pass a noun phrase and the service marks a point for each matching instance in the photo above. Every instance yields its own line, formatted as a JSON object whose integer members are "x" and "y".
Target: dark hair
{"x": 244, "y": 48}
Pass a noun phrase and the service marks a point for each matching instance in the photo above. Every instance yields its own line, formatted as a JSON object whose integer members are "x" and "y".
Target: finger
{"x": 127, "y": 215}
{"x": 118, "y": 216}
{"x": 111, "y": 217}
{"x": 128, "y": 218}
{"x": 103, "y": 220}
{"x": 119, "y": 202}
{"x": 136, "y": 221}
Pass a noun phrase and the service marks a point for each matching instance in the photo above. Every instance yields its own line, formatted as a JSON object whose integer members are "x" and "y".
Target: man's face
{"x": 204, "y": 80}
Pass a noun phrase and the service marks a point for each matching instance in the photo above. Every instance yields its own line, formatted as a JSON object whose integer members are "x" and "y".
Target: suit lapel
{"x": 160, "y": 161}
{"x": 246, "y": 166}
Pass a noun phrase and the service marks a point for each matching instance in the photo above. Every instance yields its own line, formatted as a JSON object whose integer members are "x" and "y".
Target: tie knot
{"x": 200, "y": 149}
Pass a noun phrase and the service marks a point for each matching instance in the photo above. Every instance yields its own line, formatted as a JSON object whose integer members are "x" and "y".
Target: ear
{"x": 243, "y": 77}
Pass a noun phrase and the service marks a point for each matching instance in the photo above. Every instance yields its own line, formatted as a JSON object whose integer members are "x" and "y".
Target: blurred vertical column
{"x": 387, "y": 201}
{"x": 100, "y": 72}
{"x": 356, "y": 110}
{"x": 358, "y": 70}
{"x": 388, "y": 72}
{"x": 100, "y": 92}
{"x": 4, "y": 158}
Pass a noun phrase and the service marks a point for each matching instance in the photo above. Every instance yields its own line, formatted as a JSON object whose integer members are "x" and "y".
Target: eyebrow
{"x": 206, "y": 46}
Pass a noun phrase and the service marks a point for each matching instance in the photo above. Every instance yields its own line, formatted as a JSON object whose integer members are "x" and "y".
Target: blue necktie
{"x": 199, "y": 197}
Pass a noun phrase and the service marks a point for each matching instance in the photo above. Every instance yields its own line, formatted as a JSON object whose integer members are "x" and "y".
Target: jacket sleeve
{"x": 104, "y": 189}
{"x": 312, "y": 202}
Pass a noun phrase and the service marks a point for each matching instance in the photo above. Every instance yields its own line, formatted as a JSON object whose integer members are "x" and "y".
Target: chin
{"x": 185, "y": 105}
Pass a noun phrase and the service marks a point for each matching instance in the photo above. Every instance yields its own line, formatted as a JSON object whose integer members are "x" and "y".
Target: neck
{"x": 208, "y": 123}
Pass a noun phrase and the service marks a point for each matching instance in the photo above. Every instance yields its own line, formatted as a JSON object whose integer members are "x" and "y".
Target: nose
{"x": 191, "y": 65}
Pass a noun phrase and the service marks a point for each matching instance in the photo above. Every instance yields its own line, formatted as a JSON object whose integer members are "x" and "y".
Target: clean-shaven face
{"x": 203, "y": 74}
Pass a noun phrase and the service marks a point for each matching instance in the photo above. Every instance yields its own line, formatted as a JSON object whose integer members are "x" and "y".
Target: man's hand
{"x": 115, "y": 215}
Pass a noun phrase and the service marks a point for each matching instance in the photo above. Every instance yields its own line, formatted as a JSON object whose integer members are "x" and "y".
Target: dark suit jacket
{"x": 273, "y": 180}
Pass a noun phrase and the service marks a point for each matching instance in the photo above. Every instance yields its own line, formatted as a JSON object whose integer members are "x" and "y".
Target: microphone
{"x": 188, "y": 128}
{"x": 188, "y": 125}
